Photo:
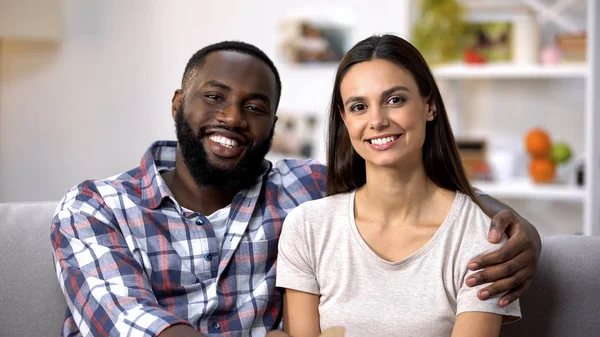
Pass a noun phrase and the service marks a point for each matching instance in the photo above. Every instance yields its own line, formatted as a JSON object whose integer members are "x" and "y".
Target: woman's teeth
{"x": 383, "y": 141}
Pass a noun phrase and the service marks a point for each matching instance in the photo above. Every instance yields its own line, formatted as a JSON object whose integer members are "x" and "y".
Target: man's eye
{"x": 214, "y": 97}
{"x": 256, "y": 109}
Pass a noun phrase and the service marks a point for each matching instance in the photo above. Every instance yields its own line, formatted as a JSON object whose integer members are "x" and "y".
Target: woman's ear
{"x": 432, "y": 111}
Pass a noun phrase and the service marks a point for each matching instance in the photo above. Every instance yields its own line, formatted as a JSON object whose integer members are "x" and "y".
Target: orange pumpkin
{"x": 537, "y": 143}
{"x": 542, "y": 170}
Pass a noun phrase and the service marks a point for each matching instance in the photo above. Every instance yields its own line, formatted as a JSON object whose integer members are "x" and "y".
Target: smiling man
{"x": 186, "y": 243}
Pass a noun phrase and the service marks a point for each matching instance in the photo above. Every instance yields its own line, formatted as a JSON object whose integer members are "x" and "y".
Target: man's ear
{"x": 176, "y": 102}
{"x": 432, "y": 111}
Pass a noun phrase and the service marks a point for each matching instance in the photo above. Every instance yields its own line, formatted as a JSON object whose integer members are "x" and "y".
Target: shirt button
{"x": 216, "y": 325}
{"x": 199, "y": 222}
{"x": 208, "y": 257}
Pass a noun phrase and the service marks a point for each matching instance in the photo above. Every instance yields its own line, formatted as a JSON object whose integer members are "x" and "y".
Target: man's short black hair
{"x": 237, "y": 46}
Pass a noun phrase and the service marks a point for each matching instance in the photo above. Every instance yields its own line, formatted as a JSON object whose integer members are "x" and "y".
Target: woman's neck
{"x": 397, "y": 195}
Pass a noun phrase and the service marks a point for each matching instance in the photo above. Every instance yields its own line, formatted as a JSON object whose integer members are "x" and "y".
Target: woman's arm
{"x": 512, "y": 266}
{"x": 477, "y": 324}
{"x": 301, "y": 314}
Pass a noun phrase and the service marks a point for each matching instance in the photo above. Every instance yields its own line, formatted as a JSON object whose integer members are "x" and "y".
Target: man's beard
{"x": 242, "y": 175}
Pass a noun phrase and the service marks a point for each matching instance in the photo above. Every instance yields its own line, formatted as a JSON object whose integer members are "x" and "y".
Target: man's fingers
{"x": 514, "y": 294}
{"x": 514, "y": 246}
{"x": 500, "y": 222}
{"x": 277, "y": 333}
{"x": 504, "y": 285}
{"x": 504, "y": 270}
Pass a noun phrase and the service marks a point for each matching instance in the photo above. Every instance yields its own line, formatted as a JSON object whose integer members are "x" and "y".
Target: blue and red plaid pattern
{"x": 132, "y": 262}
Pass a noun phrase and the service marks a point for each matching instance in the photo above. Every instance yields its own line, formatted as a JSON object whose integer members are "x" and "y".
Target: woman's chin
{"x": 396, "y": 161}
{"x": 384, "y": 163}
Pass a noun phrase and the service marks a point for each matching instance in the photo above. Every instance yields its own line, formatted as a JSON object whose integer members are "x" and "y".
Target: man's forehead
{"x": 229, "y": 56}
{"x": 236, "y": 69}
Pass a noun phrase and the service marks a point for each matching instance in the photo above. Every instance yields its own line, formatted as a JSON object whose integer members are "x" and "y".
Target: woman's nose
{"x": 378, "y": 119}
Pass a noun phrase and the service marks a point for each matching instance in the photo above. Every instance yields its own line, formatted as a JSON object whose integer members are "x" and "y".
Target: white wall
{"x": 89, "y": 106}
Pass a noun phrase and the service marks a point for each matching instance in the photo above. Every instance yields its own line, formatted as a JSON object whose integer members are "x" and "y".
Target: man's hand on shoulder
{"x": 511, "y": 267}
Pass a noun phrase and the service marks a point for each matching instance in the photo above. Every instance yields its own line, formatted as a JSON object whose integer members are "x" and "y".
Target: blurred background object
{"x": 86, "y": 86}
{"x": 573, "y": 46}
{"x": 309, "y": 42}
{"x": 438, "y": 30}
{"x": 474, "y": 158}
{"x": 522, "y": 75}
{"x": 294, "y": 136}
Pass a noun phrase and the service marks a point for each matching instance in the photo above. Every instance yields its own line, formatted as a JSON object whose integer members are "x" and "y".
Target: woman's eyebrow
{"x": 384, "y": 93}
{"x": 393, "y": 89}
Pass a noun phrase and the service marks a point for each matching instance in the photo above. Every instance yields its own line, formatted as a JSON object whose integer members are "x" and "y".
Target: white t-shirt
{"x": 322, "y": 252}
{"x": 218, "y": 220}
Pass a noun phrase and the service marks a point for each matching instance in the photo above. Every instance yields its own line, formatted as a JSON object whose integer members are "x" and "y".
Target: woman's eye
{"x": 358, "y": 107}
{"x": 396, "y": 100}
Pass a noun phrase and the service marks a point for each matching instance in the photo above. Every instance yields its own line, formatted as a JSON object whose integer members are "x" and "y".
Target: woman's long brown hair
{"x": 346, "y": 169}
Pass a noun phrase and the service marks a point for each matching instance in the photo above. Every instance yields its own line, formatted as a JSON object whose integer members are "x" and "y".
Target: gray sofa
{"x": 564, "y": 299}
{"x": 31, "y": 302}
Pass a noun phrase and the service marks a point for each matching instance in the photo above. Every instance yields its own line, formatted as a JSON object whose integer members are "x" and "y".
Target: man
{"x": 186, "y": 243}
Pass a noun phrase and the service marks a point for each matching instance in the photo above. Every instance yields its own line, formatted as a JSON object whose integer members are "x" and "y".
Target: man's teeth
{"x": 224, "y": 141}
{"x": 383, "y": 141}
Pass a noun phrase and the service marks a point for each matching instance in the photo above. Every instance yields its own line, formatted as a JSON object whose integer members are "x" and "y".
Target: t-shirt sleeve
{"x": 467, "y": 300}
{"x": 295, "y": 268}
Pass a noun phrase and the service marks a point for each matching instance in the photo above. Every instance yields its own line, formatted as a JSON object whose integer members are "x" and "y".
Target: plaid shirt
{"x": 132, "y": 262}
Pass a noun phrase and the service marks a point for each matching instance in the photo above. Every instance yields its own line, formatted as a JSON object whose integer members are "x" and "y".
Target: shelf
{"x": 526, "y": 189}
{"x": 508, "y": 71}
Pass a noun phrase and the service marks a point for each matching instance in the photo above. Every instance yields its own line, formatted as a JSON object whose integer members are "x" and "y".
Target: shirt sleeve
{"x": 294, "y": 265}
{"x": 467, "y": 300}
{"x": 106, "y": 288}
{"x": 319, "y": 174}
{"x": 478, "y": 193}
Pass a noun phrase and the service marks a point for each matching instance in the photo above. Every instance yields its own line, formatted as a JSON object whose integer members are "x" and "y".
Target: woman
{"x": 387, "y": 251}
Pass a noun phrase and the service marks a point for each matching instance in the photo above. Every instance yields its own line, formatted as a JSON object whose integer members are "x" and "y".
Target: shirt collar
{"x": 161, "y": 156}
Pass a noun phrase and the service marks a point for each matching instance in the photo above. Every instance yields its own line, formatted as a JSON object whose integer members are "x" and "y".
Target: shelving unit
{"x": 510, "y": 71}
{"x": 591, "y": 225}
{"x": 587, "y": 196}
{"x": 525, "y": 188}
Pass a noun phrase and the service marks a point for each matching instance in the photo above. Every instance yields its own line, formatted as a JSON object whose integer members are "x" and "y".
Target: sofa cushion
{"x": 563, "y": 298}
{"x": 31, "y": 303}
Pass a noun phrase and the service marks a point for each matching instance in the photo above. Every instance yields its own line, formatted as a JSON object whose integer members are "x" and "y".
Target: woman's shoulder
{"x": 468, "y": 209}
{"x": 321, "y": 210}
{"x": 471, "y": 225}
{"x": 326, "y": 203}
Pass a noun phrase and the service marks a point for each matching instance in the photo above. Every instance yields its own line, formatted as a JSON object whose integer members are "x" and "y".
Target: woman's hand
{"x": 511, "y": 267}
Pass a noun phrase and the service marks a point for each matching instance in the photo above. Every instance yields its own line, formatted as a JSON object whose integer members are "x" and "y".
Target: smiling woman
{"x": 384, "y": 113}
{"x": 395, "y": 235}
{"x": 402, "y": 86}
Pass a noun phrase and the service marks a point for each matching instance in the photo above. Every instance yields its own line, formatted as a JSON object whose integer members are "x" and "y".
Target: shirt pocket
{"x": 255, "y": 269}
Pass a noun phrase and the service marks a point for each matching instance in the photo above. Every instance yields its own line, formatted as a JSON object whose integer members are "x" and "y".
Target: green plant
{"x": 439, "y": 31}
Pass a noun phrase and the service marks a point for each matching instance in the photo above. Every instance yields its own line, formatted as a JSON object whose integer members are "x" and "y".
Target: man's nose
{"x": 233, "y": 116}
